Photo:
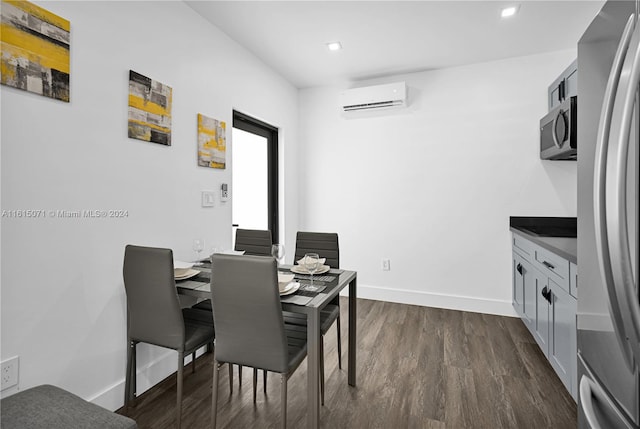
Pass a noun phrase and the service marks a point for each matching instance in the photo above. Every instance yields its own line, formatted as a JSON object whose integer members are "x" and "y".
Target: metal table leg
{"x": 351, "y": 371}
{"x": 313, "y": 368}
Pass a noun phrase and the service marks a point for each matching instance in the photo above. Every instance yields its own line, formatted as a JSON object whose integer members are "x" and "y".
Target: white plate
{"x": 291, "y": 288}
{"x": 302, "y": 270}
{"x": 179, "y": 272}
{"x": 187, "y": 275}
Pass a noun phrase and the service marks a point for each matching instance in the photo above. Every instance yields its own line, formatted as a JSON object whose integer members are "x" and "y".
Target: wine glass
{"x": 198, "y": 246}
{"x": 311, "y": 263}
{"x": 277, "y": 251}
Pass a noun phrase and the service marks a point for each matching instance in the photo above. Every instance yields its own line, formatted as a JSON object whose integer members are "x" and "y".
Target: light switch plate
{"x": 208, "y": 198}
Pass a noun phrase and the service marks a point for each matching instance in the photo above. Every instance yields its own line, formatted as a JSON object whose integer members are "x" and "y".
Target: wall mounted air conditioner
{"x": 374, "y": 97}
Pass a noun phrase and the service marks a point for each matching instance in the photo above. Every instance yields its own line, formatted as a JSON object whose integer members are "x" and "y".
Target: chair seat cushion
{"x": 49, "y": 407}
{"x": 197, "y": 335}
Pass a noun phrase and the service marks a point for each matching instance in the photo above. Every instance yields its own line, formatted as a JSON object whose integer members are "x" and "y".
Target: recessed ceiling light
{"x": 334, "y": 46}
{"x": 509, "y": 11}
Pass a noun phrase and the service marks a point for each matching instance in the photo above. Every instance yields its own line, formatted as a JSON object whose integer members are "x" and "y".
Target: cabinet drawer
{"x": 555, "y": 266}
{"x": 523, "y": 245}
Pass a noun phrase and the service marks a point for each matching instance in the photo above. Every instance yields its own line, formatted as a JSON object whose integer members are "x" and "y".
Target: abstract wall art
{"x": 149, "y": 109}
{"x": 35, "y": 49}
{"x": 212, "y": 142}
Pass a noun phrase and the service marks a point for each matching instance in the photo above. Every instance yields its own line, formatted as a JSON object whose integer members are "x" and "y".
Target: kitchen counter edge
{"x": 566, "y": 247}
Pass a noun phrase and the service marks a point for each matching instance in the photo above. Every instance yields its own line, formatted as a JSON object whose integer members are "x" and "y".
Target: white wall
{"x": 432, "y": 187}
{"x": 63, "y": 303}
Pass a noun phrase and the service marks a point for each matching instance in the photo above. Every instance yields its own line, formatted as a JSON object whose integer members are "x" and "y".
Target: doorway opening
{"x": 254, "y": 171}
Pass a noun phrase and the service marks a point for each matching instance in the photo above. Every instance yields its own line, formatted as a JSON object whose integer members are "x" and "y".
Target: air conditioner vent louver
{"x": 375, "y": 105}
{"x": 374, "y": 97}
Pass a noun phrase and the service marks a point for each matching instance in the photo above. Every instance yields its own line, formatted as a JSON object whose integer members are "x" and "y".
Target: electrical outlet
{"x": 9, "y": 372}
{"x": 386, "y": 264}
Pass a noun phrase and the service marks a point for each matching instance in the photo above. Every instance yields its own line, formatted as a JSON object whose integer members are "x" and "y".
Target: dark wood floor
{"x": 417, "y": 367}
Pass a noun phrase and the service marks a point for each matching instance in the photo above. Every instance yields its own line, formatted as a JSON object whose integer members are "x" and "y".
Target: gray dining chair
{"x": 326, "y": 245}
{"x": 154, "y": 315}
{"x": 250, "y": 329}
{"x": 255, "y": 242}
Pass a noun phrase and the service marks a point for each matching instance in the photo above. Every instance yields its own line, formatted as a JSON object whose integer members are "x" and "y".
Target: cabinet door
{"x": 541, "y": 323}
{"x": 562, "y": 336}
{"x": 518, "y": 284}
{"x": 529, "y": 304}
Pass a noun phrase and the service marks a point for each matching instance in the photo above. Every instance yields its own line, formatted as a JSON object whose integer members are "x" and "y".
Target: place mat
{"x": 306, "y": 287}
{"x": 202, "y": 277}
{"x": 205, "y": 263}
{"x": 204, "y": 287}
{"x": 320, "y": 278}
{"x": 190, "y": 284}
{"x": 296, "y": 299}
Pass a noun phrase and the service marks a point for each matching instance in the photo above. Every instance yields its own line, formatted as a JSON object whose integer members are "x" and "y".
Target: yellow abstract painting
{"x": 35, "y": 49}
{"x": 212, "y": 142}
{"x": 149, "y": 109}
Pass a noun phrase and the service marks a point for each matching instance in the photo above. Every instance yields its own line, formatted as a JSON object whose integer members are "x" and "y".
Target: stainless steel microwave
{"x": 558, "y": 139}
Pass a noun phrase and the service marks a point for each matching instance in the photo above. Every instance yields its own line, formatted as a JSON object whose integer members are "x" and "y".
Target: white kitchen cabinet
{"x": 524, "y": 290}
{"x": 564, "y": 87}
{"x": 541, "y": 322}
{"x": 542, "y": 286}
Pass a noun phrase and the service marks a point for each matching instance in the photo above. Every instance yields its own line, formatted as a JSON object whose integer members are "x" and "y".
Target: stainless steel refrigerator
{"x": 608, "y": 318}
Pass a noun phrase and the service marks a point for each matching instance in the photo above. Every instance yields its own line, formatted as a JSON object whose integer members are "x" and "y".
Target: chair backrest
{"x": 247, "y": 312}
{"x": 254, "y": 241}
{"x": 154, "y": 311}
{"x": 325, "y": 244}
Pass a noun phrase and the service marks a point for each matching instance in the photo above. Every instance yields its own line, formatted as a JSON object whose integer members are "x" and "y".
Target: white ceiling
{"x": 383, "y": 38}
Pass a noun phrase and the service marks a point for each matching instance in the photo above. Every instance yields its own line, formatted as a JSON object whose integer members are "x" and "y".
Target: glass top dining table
{"x": 302, "y": 301}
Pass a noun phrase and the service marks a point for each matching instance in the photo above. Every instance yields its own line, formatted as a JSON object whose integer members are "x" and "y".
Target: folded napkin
{"x": 320, "y": 260}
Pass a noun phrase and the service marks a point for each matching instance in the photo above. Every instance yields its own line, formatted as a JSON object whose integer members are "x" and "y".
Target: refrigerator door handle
{"x": 590, "y": 390}
{"x": 599, "y": 186}
{"x": 616, "y": 192}
{"x": 586, "y": 400}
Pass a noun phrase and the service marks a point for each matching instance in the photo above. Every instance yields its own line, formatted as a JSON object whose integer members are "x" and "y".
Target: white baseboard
{"x": 426, "y": 299}
{"x": 112, "y": 398}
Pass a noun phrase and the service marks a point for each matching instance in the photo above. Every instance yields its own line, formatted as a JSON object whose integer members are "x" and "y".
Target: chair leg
{"x": 322, "y": 370}
{"x": 283, "y": 395}
{"x": 239, "y": 376}
{"x": 230, "y": 378}
{"x": 214, "y": 392}
{"x": 264, "y": 381}
{"x": 130, "y": 374}
{"x": 193, "y": 362}
{"x": 255, "y": 382}
{"x": 339, "y": 344}
{"x": 179, "y": 393}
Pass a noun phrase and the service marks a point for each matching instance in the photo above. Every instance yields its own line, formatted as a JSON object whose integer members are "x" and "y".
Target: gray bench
{"x": 49, "y": 407}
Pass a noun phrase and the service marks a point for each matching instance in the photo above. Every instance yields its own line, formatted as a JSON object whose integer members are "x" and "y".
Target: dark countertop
{"x": 556, "y": 234}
